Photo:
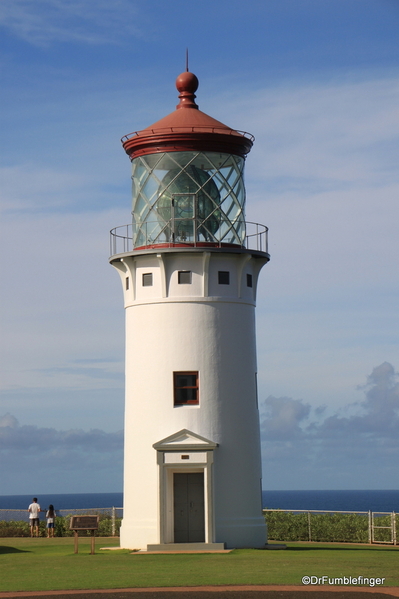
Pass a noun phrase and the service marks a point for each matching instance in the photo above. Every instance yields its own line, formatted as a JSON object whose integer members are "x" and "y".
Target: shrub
{"x": 21, "y": 528}
{"x": 14, "y": 528}
{"x": 337, "y": 527}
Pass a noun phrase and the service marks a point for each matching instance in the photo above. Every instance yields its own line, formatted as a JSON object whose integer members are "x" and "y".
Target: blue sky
{"x": 317, "y": 83}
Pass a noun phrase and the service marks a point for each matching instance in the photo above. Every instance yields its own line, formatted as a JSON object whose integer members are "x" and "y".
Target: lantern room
{"x": 188, "y": 178}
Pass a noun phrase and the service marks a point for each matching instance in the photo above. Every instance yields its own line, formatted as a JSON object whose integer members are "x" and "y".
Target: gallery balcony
{"x": 188, "y": 233}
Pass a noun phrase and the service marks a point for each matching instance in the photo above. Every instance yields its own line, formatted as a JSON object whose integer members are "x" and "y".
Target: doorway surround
{"x": 184, "y": 452}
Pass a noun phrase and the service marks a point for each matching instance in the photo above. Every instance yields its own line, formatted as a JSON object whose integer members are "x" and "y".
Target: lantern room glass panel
{"x": 188, "y": 198}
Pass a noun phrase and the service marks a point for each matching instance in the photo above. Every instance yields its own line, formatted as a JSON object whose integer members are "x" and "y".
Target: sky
{"x": 317, "y": 83}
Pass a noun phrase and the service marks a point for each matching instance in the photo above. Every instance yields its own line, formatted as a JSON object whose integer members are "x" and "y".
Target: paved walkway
{"x": 228, "y": 592}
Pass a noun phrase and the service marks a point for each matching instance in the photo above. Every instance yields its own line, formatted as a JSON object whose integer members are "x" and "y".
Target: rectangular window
{"x": 147, "y": 279}
{"x": 186, "y": 391}
{"x": 127, "y": 283}
{"x": 184, "y": 277}
{"x": 223, "y": 277}
{"x": 249, "y": 280}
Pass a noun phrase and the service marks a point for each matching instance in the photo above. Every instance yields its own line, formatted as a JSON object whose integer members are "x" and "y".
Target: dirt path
{"x": 228, "y": 592}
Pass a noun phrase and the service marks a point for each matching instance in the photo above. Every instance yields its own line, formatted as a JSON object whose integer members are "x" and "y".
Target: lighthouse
{"x": 189, "y": 265}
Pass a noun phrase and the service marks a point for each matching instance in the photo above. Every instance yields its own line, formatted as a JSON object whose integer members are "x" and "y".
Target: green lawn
{"x": 50, "y": 564}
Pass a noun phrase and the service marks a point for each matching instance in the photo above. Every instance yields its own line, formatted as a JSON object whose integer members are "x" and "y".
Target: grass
{"x": 50, "y": 564}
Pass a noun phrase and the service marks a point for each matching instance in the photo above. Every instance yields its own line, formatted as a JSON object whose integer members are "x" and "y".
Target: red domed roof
{"x": 187, "y": 129}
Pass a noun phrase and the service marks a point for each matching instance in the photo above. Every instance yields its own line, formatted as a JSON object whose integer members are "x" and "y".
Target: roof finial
{"x": 187, "y": 85}
{"x": 187, "y": 60}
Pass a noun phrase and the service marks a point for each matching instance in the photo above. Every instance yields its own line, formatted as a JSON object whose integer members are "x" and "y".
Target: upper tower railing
{"x": 121, "y": 240}
{"x": 187, "y": 129}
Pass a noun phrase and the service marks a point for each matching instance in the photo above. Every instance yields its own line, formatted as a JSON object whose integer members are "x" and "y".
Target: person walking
{"x": 34, "y": 510}
{"x": 50, "y": 516}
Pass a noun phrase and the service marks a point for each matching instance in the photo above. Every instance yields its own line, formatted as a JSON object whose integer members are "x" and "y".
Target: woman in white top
{"x": 50, "y": 515}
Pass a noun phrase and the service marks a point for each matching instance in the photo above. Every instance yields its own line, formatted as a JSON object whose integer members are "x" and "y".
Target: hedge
{"x": 307, "y": 526}
{"x": 282, "y": 526}
{"x": 19, "y": 528}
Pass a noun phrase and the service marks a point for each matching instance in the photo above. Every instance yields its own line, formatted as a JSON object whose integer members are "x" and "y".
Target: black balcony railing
{"x": 127, "y": 238}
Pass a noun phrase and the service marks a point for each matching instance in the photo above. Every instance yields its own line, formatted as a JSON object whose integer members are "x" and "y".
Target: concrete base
{"x": 186, "y": 547}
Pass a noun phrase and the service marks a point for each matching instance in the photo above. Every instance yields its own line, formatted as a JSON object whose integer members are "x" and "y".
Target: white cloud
{"x": 34, "y": 187}
{"x": 323, "y": 135}
{"x": 31, "y": 456}
{"x": 57, "y": 289}
{"x": 33, "y": 439}
{"x": 358, "y": 450}
{"x": 284, "y": 418}
{"x": 43, "y": 22}
{"x": 8, "y": 420}
{"x": 302, "y": 447}
{"x": 322, "y": 176}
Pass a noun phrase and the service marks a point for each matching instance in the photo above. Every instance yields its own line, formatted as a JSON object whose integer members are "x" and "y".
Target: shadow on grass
{"x": 4, "y": 549}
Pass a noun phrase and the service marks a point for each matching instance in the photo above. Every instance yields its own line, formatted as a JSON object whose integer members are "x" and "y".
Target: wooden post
{"x": 92, "y": 542}
{"x": 370, "y": 527}
{"x": 76, "y": 537}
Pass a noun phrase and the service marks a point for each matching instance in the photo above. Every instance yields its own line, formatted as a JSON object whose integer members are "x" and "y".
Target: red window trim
{"x": 176, "y": 388}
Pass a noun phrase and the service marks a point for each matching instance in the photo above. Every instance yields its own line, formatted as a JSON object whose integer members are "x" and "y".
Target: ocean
{"x": 376, "y": 501}
{"x": 65, "y": 501}
{"x": 340, "y": 501}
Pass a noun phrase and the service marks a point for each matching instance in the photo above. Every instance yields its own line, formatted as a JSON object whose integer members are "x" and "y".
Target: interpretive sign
{"x": 84, "y": 523}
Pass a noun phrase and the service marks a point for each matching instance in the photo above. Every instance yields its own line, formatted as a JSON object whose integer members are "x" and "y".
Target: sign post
{"x": 84, "y": 523}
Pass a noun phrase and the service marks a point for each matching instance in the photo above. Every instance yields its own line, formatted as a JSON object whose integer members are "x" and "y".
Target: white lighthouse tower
{"x": 189, "y": 265}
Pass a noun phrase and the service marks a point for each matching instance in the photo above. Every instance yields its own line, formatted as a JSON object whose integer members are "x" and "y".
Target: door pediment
{"x": 184, "y": 440}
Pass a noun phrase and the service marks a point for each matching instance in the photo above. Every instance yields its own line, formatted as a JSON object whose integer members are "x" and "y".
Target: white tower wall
{"x": 206, "y": 327}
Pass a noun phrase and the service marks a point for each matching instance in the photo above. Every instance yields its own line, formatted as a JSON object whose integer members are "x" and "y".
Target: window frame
{"x": 147, "y": 282}
{"x": 180, "y": 275}
{"x": 224, "y": 274}
{"x": 177, "y": 388}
